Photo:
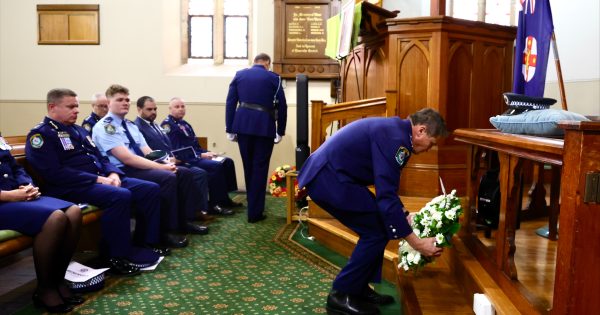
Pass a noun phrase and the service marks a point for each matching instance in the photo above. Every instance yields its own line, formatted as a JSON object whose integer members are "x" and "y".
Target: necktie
{"x": 132, "y": 144}
{"x": 160, "y": 133}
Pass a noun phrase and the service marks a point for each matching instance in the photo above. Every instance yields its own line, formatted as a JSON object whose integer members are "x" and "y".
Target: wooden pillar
{"x": 577, "y": 280}
{"x": 437, "y": 7}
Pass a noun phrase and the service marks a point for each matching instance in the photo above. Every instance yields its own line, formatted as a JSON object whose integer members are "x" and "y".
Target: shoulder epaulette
{"x": 38, "y": 126}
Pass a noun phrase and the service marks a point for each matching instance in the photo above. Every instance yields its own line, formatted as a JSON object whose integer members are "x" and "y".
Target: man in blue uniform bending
{"x": 369, "y": 151}
{"x": 72, "y": 168}
{"x": 257, "y": 123}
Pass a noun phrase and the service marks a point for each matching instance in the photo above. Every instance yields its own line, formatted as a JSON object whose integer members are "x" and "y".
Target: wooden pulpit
{"x": 458, "y": 67}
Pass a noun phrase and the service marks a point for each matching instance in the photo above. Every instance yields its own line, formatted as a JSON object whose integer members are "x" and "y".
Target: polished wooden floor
{"x": 535, "y": 259}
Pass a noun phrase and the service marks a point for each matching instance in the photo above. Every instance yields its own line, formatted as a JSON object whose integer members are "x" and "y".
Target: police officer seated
{"x": 157, "y": 140}
{"x": 221, "y": 174}
{"x": 99, "y": 110}
{"x": 121, "y": 141}
{"x": 73, "y": 169}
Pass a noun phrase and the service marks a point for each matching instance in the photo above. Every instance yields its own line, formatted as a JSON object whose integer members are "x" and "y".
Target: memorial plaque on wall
{"x": 301, "y": 37}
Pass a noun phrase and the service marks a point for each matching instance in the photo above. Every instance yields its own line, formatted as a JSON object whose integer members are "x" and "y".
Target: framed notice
{"x": 301, "y": 38}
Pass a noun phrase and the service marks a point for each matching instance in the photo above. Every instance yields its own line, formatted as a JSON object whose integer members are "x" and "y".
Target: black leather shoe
{"x": 344, "y": 304}
{"x": 122, "y": 267}
{"x": 254, "y": 220}
{"x": 196, "y": 228}
{"x": 175, "y": 241}
{"x": 220, "y": 210}
{"x": 60, "y": 308}
{"x": 373, "y": 297}
{"x": 160, "y": 250}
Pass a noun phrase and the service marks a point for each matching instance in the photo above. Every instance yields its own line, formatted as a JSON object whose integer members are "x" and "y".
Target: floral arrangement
{"x": 277, "y": 185}
{"x": 439, "y": 219}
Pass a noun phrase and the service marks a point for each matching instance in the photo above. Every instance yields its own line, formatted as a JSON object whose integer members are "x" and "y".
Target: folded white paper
{"x": 77, "y": 272}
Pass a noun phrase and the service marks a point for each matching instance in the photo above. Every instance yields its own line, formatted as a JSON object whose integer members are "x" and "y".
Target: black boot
{"x": 339, "y": 303}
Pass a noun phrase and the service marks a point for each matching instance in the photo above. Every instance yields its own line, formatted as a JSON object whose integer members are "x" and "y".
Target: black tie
{"x": 132, "y": 143}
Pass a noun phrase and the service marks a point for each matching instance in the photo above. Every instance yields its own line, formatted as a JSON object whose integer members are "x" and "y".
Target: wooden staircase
{"x": 444, "y": 287}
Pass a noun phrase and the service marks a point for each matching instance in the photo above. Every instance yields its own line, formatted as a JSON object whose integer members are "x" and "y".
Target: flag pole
{"x": 561, "y": 84}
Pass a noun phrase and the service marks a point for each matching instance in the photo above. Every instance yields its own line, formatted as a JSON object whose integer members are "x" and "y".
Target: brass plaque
{"x": 301, "y": 37}
{"x": 305, "y": 30}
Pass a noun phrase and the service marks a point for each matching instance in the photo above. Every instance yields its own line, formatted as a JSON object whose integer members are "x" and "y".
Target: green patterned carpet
{"x": 238, "y": 268}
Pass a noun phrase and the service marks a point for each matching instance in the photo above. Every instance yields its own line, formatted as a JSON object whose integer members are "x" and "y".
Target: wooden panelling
{"x": 68, "y": 24}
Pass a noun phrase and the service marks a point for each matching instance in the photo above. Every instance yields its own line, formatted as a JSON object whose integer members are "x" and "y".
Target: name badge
{"x": 65, "y": 140}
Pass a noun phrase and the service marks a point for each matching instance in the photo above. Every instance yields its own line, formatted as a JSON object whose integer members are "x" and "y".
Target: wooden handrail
{"x": 324, "y": 115}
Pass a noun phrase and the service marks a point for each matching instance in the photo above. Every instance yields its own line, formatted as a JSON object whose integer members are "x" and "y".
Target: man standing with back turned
{"x": 256, "y": 124}
{"x": 371, "y": 151}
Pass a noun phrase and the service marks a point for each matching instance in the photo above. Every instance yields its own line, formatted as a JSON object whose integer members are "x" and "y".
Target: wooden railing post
{"x": 316, "y": 129}
{"x": 577, "y": 281}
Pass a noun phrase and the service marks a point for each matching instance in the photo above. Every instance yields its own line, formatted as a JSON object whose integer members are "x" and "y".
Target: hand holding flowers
{"x": 433, "y": 227}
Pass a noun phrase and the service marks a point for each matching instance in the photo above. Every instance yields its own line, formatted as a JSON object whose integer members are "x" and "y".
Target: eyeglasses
{"x": 121, "y": 99}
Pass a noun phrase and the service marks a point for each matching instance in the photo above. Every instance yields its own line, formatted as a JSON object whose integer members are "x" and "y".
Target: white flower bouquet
{"x": 439, "y": 219}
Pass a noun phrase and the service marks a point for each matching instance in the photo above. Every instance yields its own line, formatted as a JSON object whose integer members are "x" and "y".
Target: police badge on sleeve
{"x": 402, "y": 155}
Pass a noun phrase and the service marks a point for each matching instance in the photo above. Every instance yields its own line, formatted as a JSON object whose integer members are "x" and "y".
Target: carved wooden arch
{"x": 420, "y": 46}
{"x": 371, "y": 63}
{"x": 455, "y": 47}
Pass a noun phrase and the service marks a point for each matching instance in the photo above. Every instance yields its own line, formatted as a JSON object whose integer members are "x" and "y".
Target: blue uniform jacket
{"x": 154, "y": 140}
{"x": 13, "y": 175}
{"x": 255, "y": 85}
{"x": 369, "y": 151}
{"x": 89, "y": 122}
{"x": 181, "y": 134}
{"x": 65, "y": 156}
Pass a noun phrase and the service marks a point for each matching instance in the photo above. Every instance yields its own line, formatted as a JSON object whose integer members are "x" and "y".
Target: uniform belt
{"x": 272, "y": 112}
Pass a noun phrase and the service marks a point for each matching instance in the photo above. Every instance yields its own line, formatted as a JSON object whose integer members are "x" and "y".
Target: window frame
{"x": 225, "y": 36}
{"x": 218, "y": 49}
{"x": 189, "y": 36}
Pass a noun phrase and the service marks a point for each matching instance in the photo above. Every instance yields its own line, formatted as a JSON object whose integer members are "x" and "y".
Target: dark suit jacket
{"x": 154, "y": 140}
{"x": 255, "y": 85}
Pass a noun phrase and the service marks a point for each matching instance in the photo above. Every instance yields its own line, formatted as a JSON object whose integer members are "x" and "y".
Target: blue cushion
{"x": 536, "y": 122}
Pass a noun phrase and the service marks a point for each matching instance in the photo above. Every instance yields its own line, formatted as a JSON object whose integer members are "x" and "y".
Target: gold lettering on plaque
{"x": 305, "y": 33}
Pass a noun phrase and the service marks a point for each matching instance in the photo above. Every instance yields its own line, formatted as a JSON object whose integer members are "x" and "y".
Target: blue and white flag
{"x": 534, "y": 35}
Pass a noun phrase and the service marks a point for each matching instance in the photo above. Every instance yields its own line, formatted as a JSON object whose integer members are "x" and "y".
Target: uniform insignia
{"x": 65, "y": 140}
{"x": 36, "y": 141}
{"x": 108, "y": 119}
{"x": 166, "y": 128}
{"x": 53, "y": 124}
{"x": 89, "y": 139}
{"x": 110, "y": 129}
{"x": 402, "y": 155}
{"x": 184, "y": 130}
{"x": 87, "y": 127}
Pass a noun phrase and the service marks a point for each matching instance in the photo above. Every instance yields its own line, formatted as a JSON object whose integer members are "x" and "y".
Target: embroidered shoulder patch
{"x": 87, "y": 127}
{"x": 36, "y": 141}
{"x": 402, "y": 155}
{"x": 166, "y": 127}
{"x": 110, "y": 129}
